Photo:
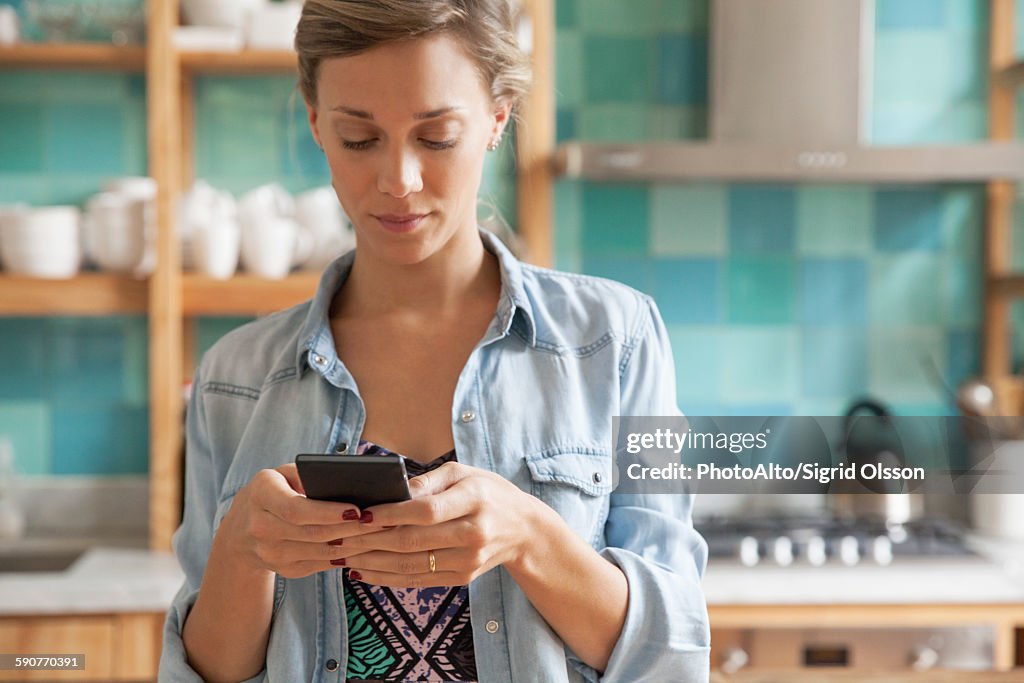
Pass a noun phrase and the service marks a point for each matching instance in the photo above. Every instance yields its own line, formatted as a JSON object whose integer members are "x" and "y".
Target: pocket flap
{"x": 588, "y": 470}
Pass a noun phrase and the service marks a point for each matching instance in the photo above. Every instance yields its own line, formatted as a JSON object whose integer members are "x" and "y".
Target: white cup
{"x": 114, "y": 231}
{"x": 216, "y": 244}
{"x": 271, "y": 26}
{"x": 42, "y": 242}
{"x": 320, "y": 212}
{"x": 268, "y": 246}
{"x": 9, "y": 30}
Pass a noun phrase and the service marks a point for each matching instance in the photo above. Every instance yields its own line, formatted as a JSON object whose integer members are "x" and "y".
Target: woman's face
{"x": 405, "y": 127}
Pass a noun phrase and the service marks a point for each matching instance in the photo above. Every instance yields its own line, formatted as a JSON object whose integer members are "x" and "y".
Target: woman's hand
{"x": 272, "y": 526}
{"x": 470, "y": 520}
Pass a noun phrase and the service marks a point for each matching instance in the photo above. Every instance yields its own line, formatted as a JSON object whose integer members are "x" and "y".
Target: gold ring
{"x": 433, "y": 561}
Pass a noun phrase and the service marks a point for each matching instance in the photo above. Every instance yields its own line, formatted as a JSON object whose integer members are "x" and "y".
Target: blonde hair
{"x": 484, "y": 28}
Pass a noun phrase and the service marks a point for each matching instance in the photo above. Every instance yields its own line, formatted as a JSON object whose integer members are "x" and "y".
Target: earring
{"x": 493, "y": 144}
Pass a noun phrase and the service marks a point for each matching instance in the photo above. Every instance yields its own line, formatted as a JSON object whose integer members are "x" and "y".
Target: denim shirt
{"x": 534, "y": 403}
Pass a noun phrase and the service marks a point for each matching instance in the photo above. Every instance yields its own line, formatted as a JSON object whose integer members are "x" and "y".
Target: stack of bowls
{"x": 41, "y": 242}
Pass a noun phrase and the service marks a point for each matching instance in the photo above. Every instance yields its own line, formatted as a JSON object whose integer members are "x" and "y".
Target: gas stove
{"x": 817, "y": 540}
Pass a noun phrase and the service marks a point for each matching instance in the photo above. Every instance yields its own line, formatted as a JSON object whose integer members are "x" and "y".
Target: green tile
{"x": 63, "y": 87}
{"x": 135, "y": 373}
{"x": 964, "y": 122}
{"x": 761, "y": 364}
{"x": 33, "y": 189}
{"x": 618, "y": 69}
{"x": 28, "y": 425}
{"x": 968, "y": 73}
{"x": 21, "y": 137}
{"x": 566, "y": 13}
{"x": 568, "y": 226}
{"x": 84, "y": 137}
{"x": 689, "y": 220}
{"x": 20, "y": 86}
{"x": 899, "y": 359}
{"x": 834, "y": 221}
{"x": 761, "y": 290}
{"x": 75, "y": 188}
{"x": 967, "y": 15}
{"x": 907, "y": 289}
{"x": 615, "y": 220}
{"x": 699, "y": 360}
{"x": 683, "y": 16}
{"x": 677, "y": 123}
{"x": 911, "y": 65}
{"x": 569, "y": 68}
{"x": 963, "y": 221}
{"x": 964, "y": 287}
{"x": 614, "y": 123}
{"x": 908, "y": 123}
{"x": 636, "y": 17}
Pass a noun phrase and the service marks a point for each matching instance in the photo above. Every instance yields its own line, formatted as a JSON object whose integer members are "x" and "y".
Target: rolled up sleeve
{"x": 193, "y": 539}
{"x": 650, "y": 537}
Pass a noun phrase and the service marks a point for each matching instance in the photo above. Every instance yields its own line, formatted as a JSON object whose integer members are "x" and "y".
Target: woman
{"x": 514, "y": 560}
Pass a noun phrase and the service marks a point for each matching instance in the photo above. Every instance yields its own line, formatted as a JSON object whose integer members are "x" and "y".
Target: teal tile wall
{"x": 785, "y": 299}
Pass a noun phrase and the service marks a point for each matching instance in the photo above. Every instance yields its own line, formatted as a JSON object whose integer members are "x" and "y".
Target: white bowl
{"x": 227, "y": 13}
{"x": 42, "y": 242}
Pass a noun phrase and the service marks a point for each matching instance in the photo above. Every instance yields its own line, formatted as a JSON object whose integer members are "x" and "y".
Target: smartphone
{"x": 362, "y": 480}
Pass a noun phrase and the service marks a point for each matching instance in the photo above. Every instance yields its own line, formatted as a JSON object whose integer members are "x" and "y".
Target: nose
{"x": 400, "y": 173}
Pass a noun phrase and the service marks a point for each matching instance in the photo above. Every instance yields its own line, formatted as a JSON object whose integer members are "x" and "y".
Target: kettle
{"x": 869, "y": 436}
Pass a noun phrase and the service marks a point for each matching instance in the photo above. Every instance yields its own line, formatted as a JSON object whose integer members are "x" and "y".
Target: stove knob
{"x": 849, "y": 550}
{"x": 881, "y": 550}
{"x": 923, "y": 658}
{"x": 734, "y": 659}
{"x": 782, "y": 551}
{"x": 749, "y": 554}
{"x": 816, "y": 551}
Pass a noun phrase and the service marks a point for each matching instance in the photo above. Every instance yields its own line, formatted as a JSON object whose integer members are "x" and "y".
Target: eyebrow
{"x": 358, "y": 113}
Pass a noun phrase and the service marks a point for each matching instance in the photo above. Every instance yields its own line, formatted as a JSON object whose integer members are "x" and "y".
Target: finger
{"x": 427, "y": 580}
{"x": 438, "y": 480}
{"x": 313, "y": 533}
{"x": 451, "y": 560}
{"x": 291, "y": 473}
{"x": 458, "y": 500}
{"x": 275, "y": 494}
{"x": 413, "y": 539}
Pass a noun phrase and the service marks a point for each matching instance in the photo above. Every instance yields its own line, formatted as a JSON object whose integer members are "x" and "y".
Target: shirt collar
{"x": 514, "y": 309}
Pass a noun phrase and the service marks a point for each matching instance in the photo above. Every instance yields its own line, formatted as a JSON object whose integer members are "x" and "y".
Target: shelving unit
{"x": 77, "y": 56}
{"x": 244, "y": 62}
{"x": 1001, "y": 285}
{"x": 245, "y": 294}
{"x": 86, "y": 294}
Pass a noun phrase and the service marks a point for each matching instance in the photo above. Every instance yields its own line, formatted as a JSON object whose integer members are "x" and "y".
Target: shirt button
{"x": 491, "y": 626}
{"x": 331, "y": 665}
{"x": 597, "y": 477}
{"x": 468, "y": 416}
{"x": 319, "y": 360}
{"x": 341, "y": 447}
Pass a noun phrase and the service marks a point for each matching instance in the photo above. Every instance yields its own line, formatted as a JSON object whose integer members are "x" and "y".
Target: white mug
{"x": 42, "y": 242}
{"x": 268, "y": 246}
{"x": 320, "y": 212}
{"x": 114, "y": 231}
{"x": 216, "y": 245}
{"x": 9, "y": 30}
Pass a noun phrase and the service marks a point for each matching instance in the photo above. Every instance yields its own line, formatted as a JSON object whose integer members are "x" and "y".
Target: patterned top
{"x": 408, "y": 634}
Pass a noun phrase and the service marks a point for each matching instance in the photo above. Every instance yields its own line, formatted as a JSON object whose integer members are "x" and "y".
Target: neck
{"x": 461, "y": 273}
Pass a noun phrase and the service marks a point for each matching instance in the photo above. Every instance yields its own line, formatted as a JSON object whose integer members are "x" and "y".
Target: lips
{"x": 401, "y": 223}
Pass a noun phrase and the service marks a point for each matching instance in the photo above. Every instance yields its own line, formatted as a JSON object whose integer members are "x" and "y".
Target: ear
{"x": 502, "y": 116}
{"x": 311, "y": 113}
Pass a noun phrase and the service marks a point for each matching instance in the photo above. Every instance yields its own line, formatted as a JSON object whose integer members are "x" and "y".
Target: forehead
{"x": 403, "y": 77}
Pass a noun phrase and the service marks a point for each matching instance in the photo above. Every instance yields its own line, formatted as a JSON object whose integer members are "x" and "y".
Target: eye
{"x": 439, "y": 145}
{"x": 358, "y": 144}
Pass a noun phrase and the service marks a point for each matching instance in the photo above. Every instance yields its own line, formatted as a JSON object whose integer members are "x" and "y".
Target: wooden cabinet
{"x": 173, "y": 299}
{"x": 117, "y": 647}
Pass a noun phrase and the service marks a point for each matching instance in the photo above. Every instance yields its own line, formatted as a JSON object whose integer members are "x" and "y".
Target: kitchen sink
{"x": 38, "y": 559}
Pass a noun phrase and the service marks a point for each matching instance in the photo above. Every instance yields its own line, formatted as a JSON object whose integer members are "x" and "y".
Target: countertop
{"x": 107, "y": 579}
{"x": 104, "y": 580}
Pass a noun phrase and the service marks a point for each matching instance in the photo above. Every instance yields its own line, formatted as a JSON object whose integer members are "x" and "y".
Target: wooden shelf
{"x": 90, "y": 56}
{"x": 1010, "y": 286}
{"x": 245, "y": 294}
{"x": 246, "y": 61}
{"x": 86, "y": 294}
{"x": 1013, "y": 75}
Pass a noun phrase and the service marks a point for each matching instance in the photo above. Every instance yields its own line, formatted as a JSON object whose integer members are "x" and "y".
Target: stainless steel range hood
{"x": 790, "y": 101}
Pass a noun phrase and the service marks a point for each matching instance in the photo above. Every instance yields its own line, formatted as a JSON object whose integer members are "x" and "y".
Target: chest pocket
{"x": 576, "y": 484}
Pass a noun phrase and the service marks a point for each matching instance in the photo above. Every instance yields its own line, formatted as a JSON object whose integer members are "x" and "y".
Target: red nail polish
{"x": 337, "y": 541}
{"x": 350, "y": 515}
{"x": 354, "y": 575}
{"x": 366, "y": 517}
{"x": 338, "y": 563}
